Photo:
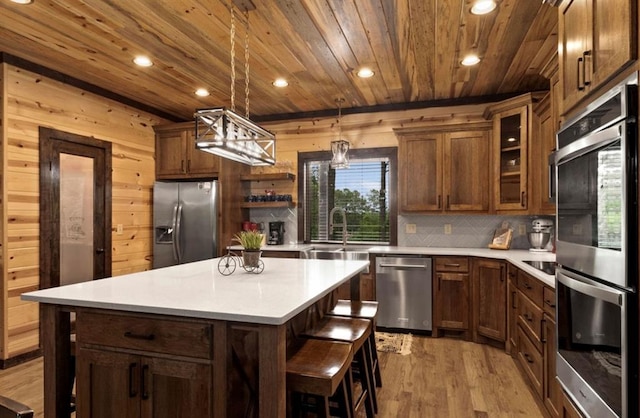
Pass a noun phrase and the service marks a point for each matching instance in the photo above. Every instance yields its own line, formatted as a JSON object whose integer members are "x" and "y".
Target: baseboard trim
{"x": 19, "y": 359}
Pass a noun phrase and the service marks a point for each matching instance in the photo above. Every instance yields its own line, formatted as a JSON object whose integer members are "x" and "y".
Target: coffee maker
{"x": 276, "y": 233}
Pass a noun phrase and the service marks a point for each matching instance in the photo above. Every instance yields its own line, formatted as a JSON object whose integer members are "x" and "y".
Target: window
{"x": 365, "y": 191}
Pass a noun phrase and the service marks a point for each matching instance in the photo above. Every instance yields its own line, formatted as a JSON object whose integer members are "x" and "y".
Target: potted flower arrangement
{"x": 251, "y": 242}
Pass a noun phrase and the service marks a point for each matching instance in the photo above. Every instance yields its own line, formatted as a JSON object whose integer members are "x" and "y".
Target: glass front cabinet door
{"x": 511, "y": 128}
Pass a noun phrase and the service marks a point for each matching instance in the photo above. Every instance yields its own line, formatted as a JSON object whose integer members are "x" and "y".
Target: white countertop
{"x": 198, "y": 290}
{"x": 515, "y": 257}
{"x": 283, "y": 247}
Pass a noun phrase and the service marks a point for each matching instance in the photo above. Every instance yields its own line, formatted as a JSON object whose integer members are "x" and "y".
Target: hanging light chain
{"x": 232, "y": 34}
{"x": 340, "y": 100}
{"x": 246, "y": 64}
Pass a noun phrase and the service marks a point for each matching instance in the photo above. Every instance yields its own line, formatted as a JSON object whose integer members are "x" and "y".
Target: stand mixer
{"x": 540, "y": 235}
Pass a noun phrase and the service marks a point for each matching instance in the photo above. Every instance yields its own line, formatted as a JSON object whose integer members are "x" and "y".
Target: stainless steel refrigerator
{"x": 184, "y": 222}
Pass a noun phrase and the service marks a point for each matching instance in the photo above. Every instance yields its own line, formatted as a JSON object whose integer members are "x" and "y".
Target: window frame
{"x": 384, "y": 152}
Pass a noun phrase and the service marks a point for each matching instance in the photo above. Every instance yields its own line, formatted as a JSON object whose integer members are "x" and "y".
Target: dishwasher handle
{"x": 403, "y": 266}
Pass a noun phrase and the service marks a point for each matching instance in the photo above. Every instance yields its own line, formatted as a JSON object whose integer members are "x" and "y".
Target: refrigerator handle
{"x": 178, "y": 232}
{"x": 174, "y": 236}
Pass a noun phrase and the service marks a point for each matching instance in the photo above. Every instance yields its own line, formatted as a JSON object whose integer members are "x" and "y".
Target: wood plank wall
{"x": 28, "y": 101}
{"x": 364, "y": 130}
{"x": 3, "y": 198}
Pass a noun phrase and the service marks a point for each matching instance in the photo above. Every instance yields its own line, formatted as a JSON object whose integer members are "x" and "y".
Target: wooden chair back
{"x": 13, "y": 409}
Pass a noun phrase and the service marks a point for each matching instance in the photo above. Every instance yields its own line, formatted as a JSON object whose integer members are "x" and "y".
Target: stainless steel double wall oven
{"x": 597, "y": 248}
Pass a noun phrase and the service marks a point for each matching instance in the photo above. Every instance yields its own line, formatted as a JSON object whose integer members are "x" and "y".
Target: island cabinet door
{"x": 174, "y": 389}
{"x": 112, "y": 384}
{"x": 107, "y": 384}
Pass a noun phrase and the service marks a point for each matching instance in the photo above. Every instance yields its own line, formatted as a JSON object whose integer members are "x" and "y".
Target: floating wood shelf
{"x": 268, "y": 177}
{"x": 510, "y": 173}
{"x": 276, "y": 204}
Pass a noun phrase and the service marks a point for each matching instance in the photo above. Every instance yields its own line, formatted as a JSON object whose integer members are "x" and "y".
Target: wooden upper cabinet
{"x": 466, "y": 176}
{"x": 542, "y": 146}
{"x": 444, "y": 171}
{"x": 177, "y": 156}
{"x": 597, "y": 39}
{"x": 575, "y": 41}
{"x": 513, "y": 135}
{"x": 420, "y": 162}
{"x": 170, "y": 153}
{"x": 510, "y": 141}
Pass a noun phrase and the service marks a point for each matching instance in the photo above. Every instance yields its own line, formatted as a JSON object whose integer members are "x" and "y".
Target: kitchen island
{"x": 181, "y": 337}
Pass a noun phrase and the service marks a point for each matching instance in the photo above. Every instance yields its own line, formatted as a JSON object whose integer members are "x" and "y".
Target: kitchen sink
{"x": 337, "y": 253}
{"x": 340, "y": 249}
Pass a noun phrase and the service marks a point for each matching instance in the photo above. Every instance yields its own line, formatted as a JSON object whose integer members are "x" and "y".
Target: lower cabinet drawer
{"x": 531, "y": 287}
{"x": 460, "y": 264}
{"x": 531, "y": 360}
{"x": 530, "y": 318}
{"x": 146, "y": 334}
{"x": 549, "y": 301}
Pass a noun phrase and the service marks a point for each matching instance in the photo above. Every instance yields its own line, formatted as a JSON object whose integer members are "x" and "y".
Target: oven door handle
{"x": 589, "y": 142}
{"x": 595, "y": 290}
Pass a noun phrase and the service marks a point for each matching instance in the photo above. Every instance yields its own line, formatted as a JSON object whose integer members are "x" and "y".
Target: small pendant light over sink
{"x": 224, "y": 132}
{"x": 340, "y": 147}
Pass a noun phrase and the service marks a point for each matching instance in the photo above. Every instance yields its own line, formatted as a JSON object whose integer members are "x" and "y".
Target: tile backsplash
{"x": 470, "y": 231}
{"x": 288, "y": 216}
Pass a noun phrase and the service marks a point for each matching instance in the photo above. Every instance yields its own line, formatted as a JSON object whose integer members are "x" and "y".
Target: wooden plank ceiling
{"x": 414, "y": 47}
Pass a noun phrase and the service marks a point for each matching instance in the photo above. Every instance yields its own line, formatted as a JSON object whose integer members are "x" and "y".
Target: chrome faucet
{"x": 343, "y": 225}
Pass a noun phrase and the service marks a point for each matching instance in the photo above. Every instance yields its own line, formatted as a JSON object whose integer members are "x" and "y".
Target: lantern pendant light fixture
{"x": 222, "y": 131}
{"x": 339, "y": 147}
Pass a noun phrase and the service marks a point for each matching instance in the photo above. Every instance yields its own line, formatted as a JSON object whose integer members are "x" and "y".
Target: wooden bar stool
{"x": 357, "y": 332}
{"x": 318, "y": 371}
{"x": 366, "y": 309}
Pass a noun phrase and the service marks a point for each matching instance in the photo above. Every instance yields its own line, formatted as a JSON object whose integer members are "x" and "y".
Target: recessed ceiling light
{"x": 365, "y": 72}
{"x": 482, "y": 7}
{"x": 471, "y": 59}
{"x": 143, "y": 61}
{"x": 22, "y": 1}
{"x": 280, "y": 82}
{"x": 511, "y": 139}
{"x": 202, "y": 92}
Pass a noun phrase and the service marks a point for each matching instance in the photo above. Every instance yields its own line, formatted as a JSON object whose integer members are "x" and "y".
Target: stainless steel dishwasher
{"x": 403, "y": 289}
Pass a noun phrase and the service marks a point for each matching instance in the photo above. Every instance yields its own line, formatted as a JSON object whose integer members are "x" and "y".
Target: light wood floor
{"x": 441, "y": 377}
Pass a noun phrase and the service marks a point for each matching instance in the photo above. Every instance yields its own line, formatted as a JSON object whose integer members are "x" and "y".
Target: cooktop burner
{"x": 548, "y": 267}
